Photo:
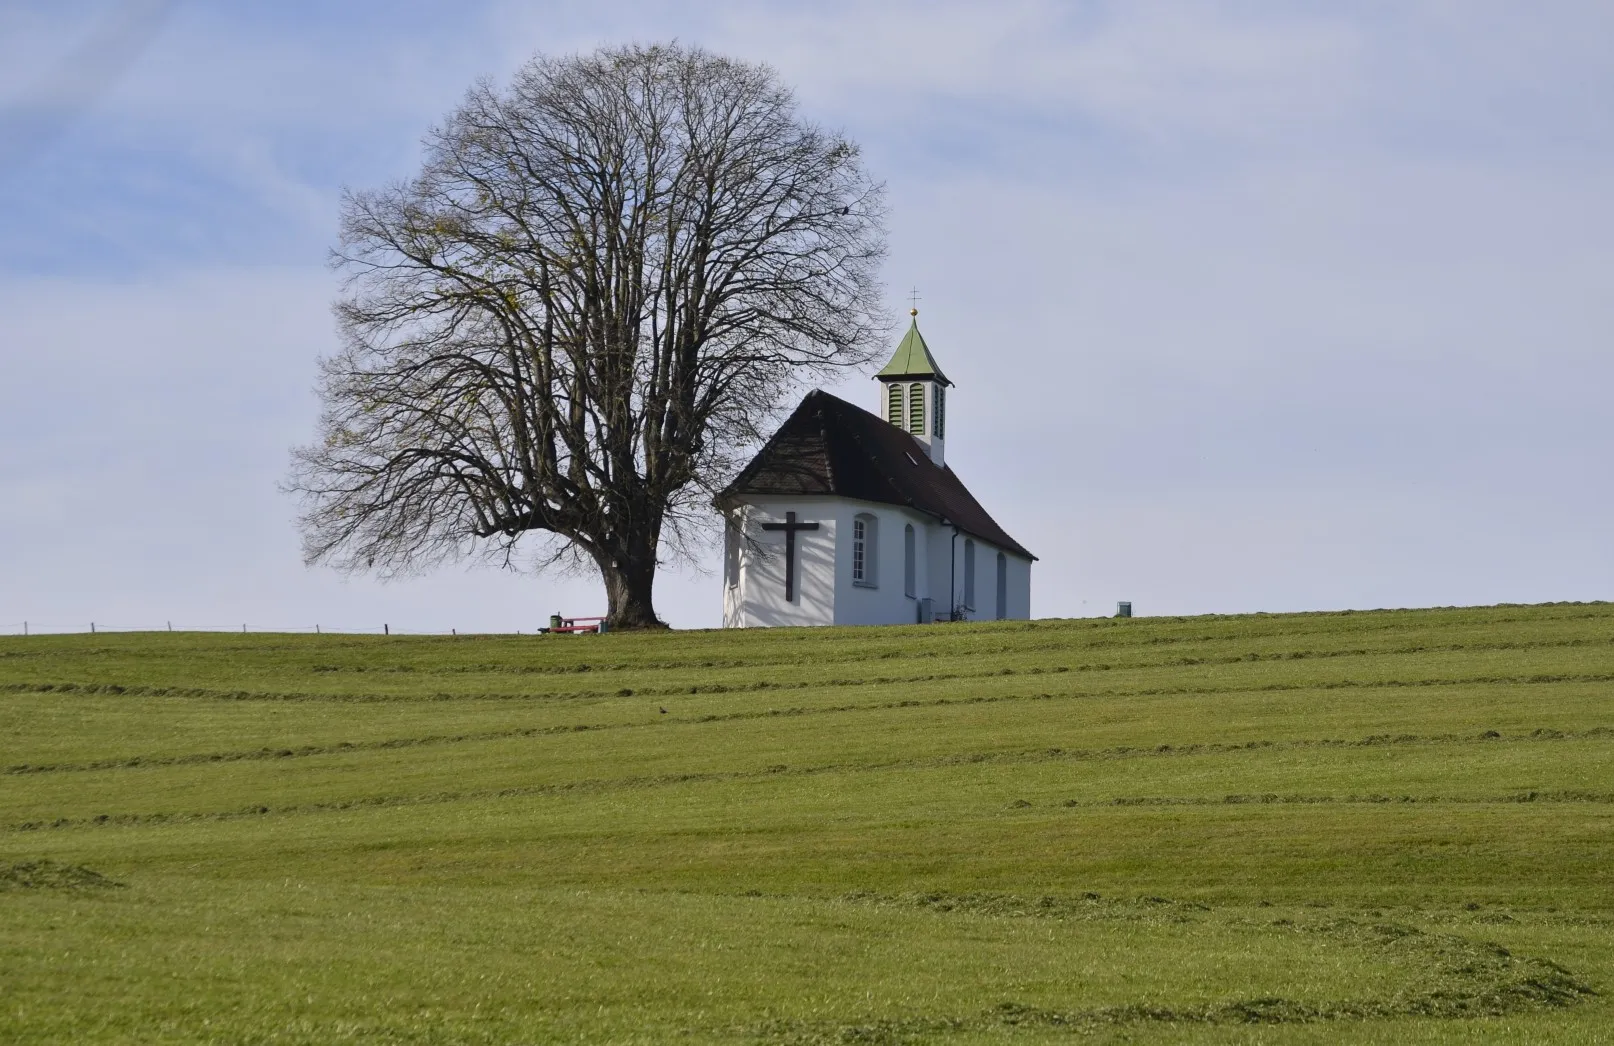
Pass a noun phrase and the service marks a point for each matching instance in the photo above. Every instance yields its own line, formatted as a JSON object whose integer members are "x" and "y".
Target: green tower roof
{"x": 913, "y": 359}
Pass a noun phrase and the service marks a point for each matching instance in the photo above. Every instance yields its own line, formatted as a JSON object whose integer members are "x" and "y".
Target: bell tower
{"x": 913, "y": 393}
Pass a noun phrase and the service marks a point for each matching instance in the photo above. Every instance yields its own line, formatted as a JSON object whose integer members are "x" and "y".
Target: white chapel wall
{"x": 885, "y": 600}
{"x": 949, "y": 564}
{"x": 973, "y": 554}
{"x": 825, "y": 589}
{"x": 1019, "y": 588}
{"x": 939, "y": 563}
{"x": 733, "y": 578}
{"x": 759, "y": 599}
{"x": 1016, "y": 589}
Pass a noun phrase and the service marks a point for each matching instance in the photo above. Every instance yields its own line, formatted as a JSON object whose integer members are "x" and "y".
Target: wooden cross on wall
{"x": 790, "y": 526}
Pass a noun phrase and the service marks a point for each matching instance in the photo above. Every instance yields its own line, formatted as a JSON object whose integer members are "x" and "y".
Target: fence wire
{"x": 42, "y": 628}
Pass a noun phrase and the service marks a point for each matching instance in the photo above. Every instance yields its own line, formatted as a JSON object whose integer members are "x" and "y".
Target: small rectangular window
{"x": 860, "y": 550}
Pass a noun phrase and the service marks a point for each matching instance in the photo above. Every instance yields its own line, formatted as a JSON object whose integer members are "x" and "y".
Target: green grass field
{"x": 1386, "y": 827}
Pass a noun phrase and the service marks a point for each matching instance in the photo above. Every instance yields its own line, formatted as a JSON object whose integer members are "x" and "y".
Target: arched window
{"x": 893, "y": 404}
{"x": 865, "y": 547}
{"x": 1003, "y": 586}
{"x": 910, "y": 562}
{"x": 916, "y": 409}
{"x": 941, "y": 411}
{"x": 969, "y": 574}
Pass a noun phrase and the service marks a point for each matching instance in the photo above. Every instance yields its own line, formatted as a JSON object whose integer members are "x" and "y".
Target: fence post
{"x": 386, "y": 630}
{"x": 92, "y": 628}
{"x": 170, "y": 626}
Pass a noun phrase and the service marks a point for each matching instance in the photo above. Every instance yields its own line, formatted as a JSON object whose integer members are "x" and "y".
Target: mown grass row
{"x": 329, "y": 662}
{"x": 1391, "y": 826}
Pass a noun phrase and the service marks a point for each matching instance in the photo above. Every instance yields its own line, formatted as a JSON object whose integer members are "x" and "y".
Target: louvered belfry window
{"x": 893, "y": 404}
{"x": 941, "y": 411}
{"x": 916, "y": 409}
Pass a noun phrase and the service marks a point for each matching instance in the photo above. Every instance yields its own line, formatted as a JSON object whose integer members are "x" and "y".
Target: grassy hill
{"x": 1364, "y": 827}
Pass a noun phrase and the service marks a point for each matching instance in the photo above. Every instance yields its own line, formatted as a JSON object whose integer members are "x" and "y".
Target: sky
{"x": 1251, "y": 306}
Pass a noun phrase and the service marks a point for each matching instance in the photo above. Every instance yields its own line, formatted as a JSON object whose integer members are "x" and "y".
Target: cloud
{"x": 143, "y": 433}
{"x": 1251, "y": 305}
{"x": 1155, "y": 70}
{"x": 46, "y": 108}
{"x": 1152, "y": 69}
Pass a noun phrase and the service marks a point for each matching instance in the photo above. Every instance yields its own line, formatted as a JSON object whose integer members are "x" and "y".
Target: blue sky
{"x": 1251, "y": 306}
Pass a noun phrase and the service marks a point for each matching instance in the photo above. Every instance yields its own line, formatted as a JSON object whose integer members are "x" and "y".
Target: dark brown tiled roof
{"x": 828, "y": 446}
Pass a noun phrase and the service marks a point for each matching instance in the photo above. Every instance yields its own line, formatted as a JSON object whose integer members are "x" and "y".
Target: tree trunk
{"x": 629, "y": 581}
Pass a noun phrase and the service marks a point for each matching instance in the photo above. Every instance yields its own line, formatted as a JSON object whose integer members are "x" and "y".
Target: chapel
{"x": 846, "y": 517}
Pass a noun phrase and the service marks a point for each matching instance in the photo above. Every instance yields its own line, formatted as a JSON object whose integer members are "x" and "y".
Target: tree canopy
{"x": 606, "y": 277}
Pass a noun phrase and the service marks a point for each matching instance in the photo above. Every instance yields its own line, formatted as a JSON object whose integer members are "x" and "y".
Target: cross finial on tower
{"x": 913, "y": 301}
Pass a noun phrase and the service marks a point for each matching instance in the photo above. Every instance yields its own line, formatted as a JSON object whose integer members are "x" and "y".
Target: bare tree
{"x": 604, "y": 280}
